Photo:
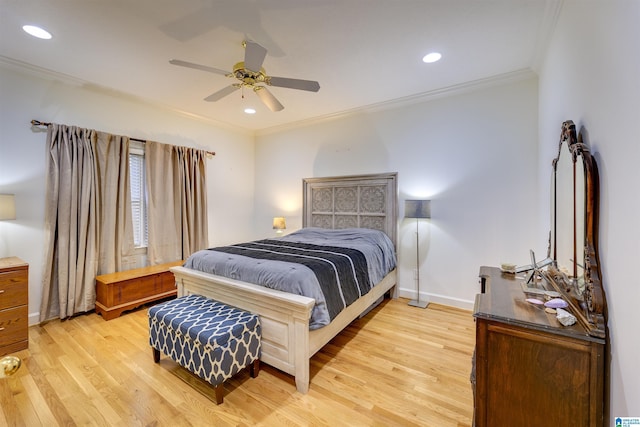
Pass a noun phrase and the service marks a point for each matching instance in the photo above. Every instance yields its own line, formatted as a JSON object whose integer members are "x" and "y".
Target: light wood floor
{"x": 399, "y": 365}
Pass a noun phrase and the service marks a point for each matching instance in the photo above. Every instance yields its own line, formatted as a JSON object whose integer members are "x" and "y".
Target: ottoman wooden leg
{"x": 254, "y": 368}
{"x": 219, "y": 393}
{"x": 156, "y": 355}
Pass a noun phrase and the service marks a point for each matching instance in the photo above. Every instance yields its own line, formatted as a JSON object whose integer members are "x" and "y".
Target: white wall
{"x": 477, "y": 155}
{"x": 28, "y": 95}
{"x": 473, "y": 154}
{"x": 591, "y": 75}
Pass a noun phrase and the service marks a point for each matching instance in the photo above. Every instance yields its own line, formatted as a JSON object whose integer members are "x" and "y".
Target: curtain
{"x": 87, "y": 218}
{"x": 177, "y": 202}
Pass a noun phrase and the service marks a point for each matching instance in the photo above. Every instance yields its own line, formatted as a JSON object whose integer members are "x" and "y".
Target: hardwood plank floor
{"x": 399, "y": 365}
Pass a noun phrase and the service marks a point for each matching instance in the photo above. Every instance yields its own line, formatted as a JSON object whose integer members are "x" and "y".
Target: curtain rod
{"x": 39, "y": 123}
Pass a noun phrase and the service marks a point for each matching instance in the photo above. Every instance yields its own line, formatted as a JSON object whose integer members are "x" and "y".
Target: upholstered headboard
{"x": 365, "y": 201}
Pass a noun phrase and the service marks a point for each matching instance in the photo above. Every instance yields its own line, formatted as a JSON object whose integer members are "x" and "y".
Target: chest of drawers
{"x": 529, "y": 369}
{"x": 14, "y": 305}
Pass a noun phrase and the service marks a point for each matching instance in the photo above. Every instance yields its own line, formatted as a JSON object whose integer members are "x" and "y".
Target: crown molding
{"x": 466, "y": 87}
{"x": 35, "y": 71}
{"x": 545, "y": 34}
{"x": 470, "y": 86}
{"x": 49, "y": 75}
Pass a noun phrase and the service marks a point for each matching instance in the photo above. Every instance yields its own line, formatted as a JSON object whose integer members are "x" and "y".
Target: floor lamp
{"x": 417, "y": 209}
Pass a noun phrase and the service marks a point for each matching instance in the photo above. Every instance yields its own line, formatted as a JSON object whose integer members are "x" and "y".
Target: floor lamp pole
{"x": 416, "y": 302}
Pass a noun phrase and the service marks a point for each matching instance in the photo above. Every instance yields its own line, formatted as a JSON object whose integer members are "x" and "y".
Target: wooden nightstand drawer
{"x": 14, "y": 324}
{"x": 13, "y": 289}
{"x": 14, "y": 305}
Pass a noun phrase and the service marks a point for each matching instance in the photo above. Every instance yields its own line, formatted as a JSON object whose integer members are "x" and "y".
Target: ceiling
{"x": 362, "y": 52}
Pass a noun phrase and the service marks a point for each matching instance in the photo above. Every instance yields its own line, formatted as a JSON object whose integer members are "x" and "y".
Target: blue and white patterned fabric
{"x": 210, "y": 339}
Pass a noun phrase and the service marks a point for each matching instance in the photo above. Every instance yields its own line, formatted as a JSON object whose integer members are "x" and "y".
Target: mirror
{"x": 575, "y": 271}
{"x": 569, "y": 214}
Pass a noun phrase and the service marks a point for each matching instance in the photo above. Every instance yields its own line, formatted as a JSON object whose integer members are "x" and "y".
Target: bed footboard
{"x": 287, "y": 342}
{"x": 284, "y": 317}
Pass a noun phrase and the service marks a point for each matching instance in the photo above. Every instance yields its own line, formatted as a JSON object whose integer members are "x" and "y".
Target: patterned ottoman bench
{"x": 210, "y": 339}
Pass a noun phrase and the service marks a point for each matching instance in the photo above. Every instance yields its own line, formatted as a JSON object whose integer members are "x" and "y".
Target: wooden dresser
{"x": 14, "y": 305}
{"x": 126, "y": 290}
{"x": 529, "y": 369}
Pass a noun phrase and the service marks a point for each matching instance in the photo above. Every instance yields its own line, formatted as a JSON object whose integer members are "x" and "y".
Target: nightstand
{"x": 14, "y": 305}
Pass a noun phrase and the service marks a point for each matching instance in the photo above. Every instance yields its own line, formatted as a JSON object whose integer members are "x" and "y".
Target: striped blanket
{"x": 341, "y": 272}
{"x": 334, "y": 267}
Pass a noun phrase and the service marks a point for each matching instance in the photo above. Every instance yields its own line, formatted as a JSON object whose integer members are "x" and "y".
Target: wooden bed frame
{"x": 368, "y": 201}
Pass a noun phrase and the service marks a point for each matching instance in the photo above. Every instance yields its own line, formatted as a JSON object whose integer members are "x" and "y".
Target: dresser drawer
{"x": 13, "y": 289}
{"x": 14, "y": 324}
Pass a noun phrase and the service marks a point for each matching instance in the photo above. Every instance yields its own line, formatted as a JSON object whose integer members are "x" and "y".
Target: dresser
{"x": 529, "y": 369}
{"x": 14, "y": 305}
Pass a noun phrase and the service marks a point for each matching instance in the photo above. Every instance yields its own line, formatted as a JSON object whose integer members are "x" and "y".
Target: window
{"x": 138, "y": 195}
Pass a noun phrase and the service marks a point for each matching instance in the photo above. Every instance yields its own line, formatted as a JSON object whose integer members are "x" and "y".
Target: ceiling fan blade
{"x": 268, "y": 99}
{"x": 254, "y": 55}
{"x": 221, "y": 93}
{"x": 198, "y": 67}
{"x": 310, "y": 85}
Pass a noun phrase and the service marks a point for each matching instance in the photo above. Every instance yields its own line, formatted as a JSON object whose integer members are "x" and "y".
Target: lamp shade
{"x": 279, "y": 223}
{"x": 7, "y": 206}
{"x": 417, "y": 208}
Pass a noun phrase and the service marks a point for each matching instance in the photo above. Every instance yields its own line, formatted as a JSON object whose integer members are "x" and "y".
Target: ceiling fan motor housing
{"x": 249, "y": 77}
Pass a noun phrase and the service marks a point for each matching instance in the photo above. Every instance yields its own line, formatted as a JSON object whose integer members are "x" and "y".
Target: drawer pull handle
{"x": 1, "y": 291}
{"x": 1, "y": 328}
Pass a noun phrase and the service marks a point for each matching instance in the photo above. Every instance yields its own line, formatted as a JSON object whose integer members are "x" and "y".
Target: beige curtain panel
{"x": 87, "y": 218}
{"x": 88, "y": 224}
{"x": 177, "y": 202}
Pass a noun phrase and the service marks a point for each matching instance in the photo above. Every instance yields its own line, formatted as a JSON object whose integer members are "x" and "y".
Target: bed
{"x": 364, "y": 201}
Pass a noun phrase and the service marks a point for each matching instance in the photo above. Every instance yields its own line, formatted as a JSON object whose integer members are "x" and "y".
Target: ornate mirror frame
{"x": 573, "y": 244}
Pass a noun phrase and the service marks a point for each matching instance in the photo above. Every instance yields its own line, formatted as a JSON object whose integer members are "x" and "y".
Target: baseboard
{"x": 438, "y": 299}
{"x": 34, "y": 319}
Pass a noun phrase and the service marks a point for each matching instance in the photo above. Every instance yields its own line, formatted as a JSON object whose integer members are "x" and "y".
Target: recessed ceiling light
{"x": 37, "y": 32}
{"x": 432, "y": 57}
{"x": 250, "y": 110}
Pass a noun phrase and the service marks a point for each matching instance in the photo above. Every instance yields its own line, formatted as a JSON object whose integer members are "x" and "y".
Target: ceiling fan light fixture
{"x": 245, "y": 75}
{"x": 36, "y": 31}
{"x": 431, "y": 57}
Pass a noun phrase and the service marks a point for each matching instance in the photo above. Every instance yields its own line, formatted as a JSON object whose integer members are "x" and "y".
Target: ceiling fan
{"x": 250, "y": 74}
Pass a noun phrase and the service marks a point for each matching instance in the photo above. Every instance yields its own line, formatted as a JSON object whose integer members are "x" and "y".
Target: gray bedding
{"x": 249, "y": 263}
